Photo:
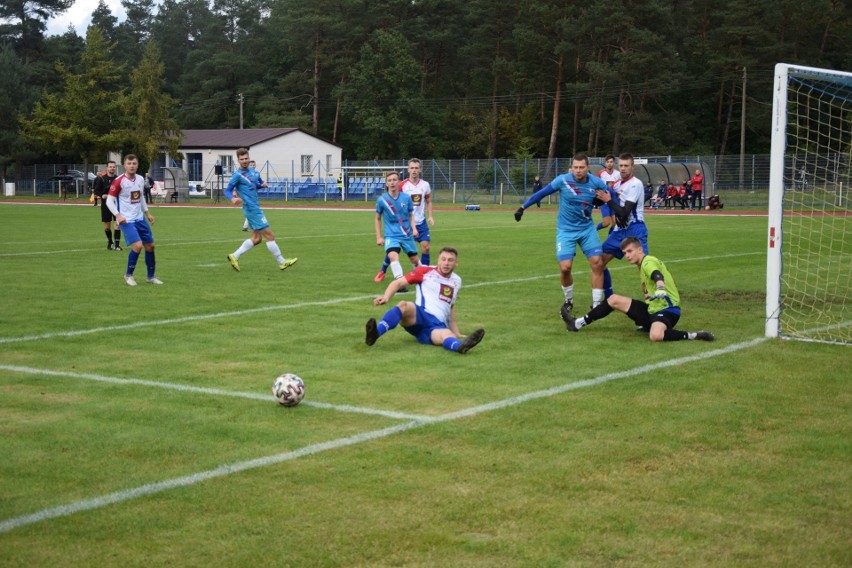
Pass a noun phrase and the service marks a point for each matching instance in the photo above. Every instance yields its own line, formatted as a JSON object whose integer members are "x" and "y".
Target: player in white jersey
{"x": 609, "y": 176}
{"x": 431, "y": 318}
{"x": 126, "y": 201}
{"x": 629, "y": 211}
{"x": 421, "y": 194}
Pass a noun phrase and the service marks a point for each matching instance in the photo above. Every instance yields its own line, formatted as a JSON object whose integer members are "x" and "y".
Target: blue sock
{"x": 390, "y": 320}
{"x": 385, "y": 264}
{"x": 607, "y": 284}
{"x": 150, "y": 263}
{"x": 452, "y": 344}
{"x": 424, "y": 259}
{"x": 132, "y": 259}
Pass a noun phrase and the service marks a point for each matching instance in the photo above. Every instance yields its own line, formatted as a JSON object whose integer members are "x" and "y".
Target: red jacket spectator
{"x": 697, "y": 182}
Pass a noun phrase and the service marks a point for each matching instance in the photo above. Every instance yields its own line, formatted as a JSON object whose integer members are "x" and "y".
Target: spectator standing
{"x": 149, "y": 183}
{"x": 697, "y": 180}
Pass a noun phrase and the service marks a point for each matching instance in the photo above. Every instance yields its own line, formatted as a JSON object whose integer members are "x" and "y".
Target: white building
{"x": 280, "y": 153}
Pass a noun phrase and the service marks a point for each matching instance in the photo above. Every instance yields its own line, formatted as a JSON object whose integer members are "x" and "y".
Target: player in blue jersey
{"x": 242, "y": 190}
{"x": 628, "y": 208}
{"x": 578, "y": 192}
{"x": 660, "y": 311}
{"x": 395, "y": 212}
{"x": 258, "y": 183}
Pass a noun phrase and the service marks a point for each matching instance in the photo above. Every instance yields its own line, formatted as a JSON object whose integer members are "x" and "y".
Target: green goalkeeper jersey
{"x": 649, "y": 287}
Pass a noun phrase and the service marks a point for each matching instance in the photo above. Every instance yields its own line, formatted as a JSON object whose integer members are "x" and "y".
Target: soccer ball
{"x": 288, "y": 389}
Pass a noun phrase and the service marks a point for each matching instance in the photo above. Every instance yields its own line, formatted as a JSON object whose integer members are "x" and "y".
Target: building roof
{"x": 233, "y": 137}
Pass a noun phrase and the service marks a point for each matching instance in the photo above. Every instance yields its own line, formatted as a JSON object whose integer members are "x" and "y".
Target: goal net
{"x": 809, "y": 250}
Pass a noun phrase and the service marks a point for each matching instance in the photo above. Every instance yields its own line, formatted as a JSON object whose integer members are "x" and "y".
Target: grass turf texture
{"x": 740, "y": 459}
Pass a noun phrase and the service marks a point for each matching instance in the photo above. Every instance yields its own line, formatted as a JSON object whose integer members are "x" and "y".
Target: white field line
{"x": 228, "y": 469}
{"x": 207, "y": 391}
{"x": 331, "y": 302}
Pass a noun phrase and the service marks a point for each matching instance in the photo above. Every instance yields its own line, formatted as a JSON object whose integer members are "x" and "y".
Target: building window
{"x": 307, "y": 166}
{"x": 328, "y": 165}
{"x": 193, "y": 166}
{"x": 227, "y": 162}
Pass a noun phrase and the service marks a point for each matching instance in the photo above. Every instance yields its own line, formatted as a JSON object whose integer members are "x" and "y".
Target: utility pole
{"x": 743, "y": 130}
{"x": 241, "y": 111}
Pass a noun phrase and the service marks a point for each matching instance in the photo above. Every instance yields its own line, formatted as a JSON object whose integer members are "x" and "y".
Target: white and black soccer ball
{"x": 288, "y": 389}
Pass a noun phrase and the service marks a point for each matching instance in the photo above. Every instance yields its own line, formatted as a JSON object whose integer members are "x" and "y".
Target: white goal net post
{"x": 809, "y": 241}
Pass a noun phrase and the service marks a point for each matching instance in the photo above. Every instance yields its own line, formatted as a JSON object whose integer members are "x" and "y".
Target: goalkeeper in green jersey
{"x": 660, "y": 311}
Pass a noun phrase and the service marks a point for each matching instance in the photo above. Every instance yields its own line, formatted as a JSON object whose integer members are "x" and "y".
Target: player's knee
{"x": 656, "y": 336}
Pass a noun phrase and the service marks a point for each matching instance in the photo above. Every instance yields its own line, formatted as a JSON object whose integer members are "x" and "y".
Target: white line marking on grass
{"x": 221, "y": 471}
{"x": 210, "y": 391}
{"x": 331, "y": 302}
{"x": 185, "y": 481}
{"x": 184, "y": 319}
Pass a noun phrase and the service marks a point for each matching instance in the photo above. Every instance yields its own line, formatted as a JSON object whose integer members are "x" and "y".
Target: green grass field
{"x": 137, "y": 426}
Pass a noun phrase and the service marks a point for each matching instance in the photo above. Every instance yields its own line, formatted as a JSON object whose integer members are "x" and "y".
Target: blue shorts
{"x": 424, "y": 326}
{"x": 135, "y": 231}
{"x": 612, "y": 244}
{"x": 406, "y": 244}
{"x": 423, "y": 233}
{"x": 567, "y": 241}
{"x": 256, "y": 219}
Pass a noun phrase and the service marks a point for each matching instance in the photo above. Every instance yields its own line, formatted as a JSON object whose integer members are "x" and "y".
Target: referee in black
{"x": 101, "y": 189}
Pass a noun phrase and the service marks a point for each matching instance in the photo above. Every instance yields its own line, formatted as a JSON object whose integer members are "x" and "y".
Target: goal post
{"x": 809, "y": 240}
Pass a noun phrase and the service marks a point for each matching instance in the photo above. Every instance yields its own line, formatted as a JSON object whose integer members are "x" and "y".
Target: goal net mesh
{"x": 816, "y": 277}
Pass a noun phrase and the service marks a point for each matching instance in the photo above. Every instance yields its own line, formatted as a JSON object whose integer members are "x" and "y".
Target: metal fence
{"x": 741, "y": 181}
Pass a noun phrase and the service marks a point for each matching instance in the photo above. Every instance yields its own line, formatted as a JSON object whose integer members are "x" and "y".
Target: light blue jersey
{"x": 575, "y": 200}
{"x": 396, "y": 215}
{"x": 244, "y": 183}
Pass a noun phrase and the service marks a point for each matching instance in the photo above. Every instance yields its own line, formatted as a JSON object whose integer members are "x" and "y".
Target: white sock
{"x": 396, "y": 269}
{"x": 597, "y": 296}
{"x": 245, "y": 224}
{"x": 276, "y": 252}
{"x": 244, "y": 248}
{"x": 568, "y": 292}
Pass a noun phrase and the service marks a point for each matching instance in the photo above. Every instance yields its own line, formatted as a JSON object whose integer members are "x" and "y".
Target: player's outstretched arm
{"x": 392, "y": 289}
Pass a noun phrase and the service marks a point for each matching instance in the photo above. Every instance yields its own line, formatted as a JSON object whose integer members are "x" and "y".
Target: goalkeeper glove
{"x": 660, "y": 294}
{"x": 519, "y": 213}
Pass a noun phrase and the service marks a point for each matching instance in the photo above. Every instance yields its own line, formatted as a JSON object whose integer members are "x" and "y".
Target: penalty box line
{"x": 228, "y": 469}
{"x": 331, "y": 302}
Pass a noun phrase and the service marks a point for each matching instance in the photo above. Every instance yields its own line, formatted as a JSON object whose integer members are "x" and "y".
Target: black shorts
{"x": 638, "y": 312}
{"x": 106, "y": 214}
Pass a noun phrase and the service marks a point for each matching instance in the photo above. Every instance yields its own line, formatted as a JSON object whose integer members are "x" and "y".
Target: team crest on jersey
{"x": 416, "y": 199}
{"x": 135, "y": 196}
{"x": 446, "y": 293}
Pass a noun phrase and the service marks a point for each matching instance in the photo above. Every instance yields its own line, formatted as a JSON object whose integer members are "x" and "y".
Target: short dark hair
{"x": 389, "y": 174}
{"x": 242, "y": 152}
{"x": 130, "y": 157}
{"x": 450, "y": 250}
{"x": 581, "y": 158}
{"x": 626, "y": 156}
{"x": 110, "y": 162}
{"x": 609, "y": 157}
{"x": 627, "y": 241}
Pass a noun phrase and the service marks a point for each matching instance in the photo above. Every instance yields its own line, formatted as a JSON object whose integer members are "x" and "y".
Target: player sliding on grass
{"x": 431, "y": 319}
{"x": 662, "y": 312}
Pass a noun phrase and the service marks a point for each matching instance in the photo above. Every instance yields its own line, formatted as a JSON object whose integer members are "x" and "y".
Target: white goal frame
{"x": 780, "y": 180}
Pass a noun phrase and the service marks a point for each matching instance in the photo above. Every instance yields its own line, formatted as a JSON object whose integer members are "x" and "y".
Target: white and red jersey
{"x": 631, "y": 189}
{"x": 435, "y": 293}
{"x": 609, "y": 177}
{"x": 129, "y": 196}
{"x": 419, "y": 193}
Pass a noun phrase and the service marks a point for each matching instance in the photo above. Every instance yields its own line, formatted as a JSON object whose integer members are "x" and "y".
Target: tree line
{"x": 395, "y": 78}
